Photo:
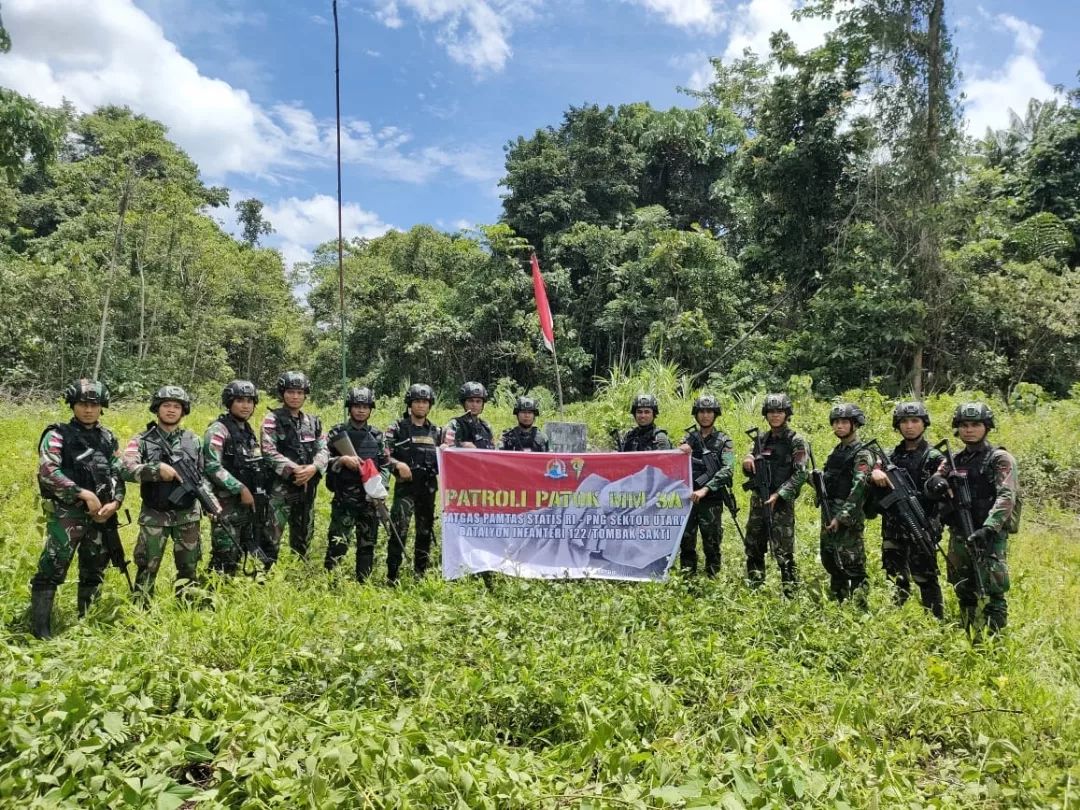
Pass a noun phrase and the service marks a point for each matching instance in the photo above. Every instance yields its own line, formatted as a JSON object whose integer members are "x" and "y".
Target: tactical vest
{"x": 919, "y": 467}
{"x": 698, "y": 445}
{"x": 292, "y": 446}
{"x": 88, "y": 470}
{"x": 367, "y": 442}
{"x": 976, "y": 467}
{"x": 779, "y": 453}
{"x": 415, "y": 445}
{"x": 473, "y": 429}
{"x": 640, "y": 439}
{"x": 240, "y": 449}
{"x": 155, "y": 494}
{"x": 840, "y": 470}
{"x": 523, "y": 439}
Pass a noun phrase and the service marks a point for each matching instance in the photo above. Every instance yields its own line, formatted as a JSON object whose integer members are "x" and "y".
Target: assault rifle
{"x": 821, "y": 491}
{"x": 109, "y": 531}
{"x": 188, "y": 477}
{"x": 760, "y": 484}
{"x": 344, "y": 447}
{"x": 709, "y": 465}
{"x": 960, "y": 502}
{"x": 251, "y": 540}
{"x": 617, "y": 438}
{"x": 903, "y": 503}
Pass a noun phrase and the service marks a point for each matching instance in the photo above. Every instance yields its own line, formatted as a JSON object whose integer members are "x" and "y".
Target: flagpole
{"x": 558, "y": 379}
{"x": 340, "y": 243}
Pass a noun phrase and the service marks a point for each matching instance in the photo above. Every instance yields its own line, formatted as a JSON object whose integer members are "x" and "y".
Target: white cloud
{"x": 700, "y": 67}
{"x": 475, "y": 33}
{"x": 96, "y": 52}
{"x": 705, "y": 15}
{"x": 302, "y": 225}
{"x": 754, "y": 22}
{"x": 990, "y": 97}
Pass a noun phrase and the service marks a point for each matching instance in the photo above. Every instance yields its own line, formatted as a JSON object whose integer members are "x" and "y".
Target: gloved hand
{"x": 983, "y": 537}
{"x": 937, "y": 487}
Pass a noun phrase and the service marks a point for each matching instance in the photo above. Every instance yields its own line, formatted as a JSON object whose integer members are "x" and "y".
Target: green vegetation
{"x": 302, "y": 692}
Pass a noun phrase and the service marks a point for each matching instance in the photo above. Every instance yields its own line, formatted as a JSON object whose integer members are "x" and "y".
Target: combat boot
{"x": 86, "y": 596}
{"x": 41, "y": 605}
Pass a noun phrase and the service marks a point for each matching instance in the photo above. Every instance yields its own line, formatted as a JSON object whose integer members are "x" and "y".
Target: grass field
{"x": 304, "y": 692}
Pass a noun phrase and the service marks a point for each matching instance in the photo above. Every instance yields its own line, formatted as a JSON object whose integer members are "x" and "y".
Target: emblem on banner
{"x": 556, "y": 469}
{"x": 577, "y": 464}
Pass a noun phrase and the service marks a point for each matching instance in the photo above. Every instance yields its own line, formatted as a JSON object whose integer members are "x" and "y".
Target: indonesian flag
{"x": 373, "y": 483}
{"x": 542, "y": 308}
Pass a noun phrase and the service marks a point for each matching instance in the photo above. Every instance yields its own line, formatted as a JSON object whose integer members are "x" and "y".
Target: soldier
{"x": 232, "y": 462}
{"x": 847, "y": 471}
{"x": 294, "y": 449}
{"x": 161, "y": 518}
{"x": 902, "y": 558}
{"x": 991, "y": 480}
{"x": 79, "y": 478}
{"x": 526, "y": 436}
{"x": 646, "y": 436}
{"x": 771, "y": 522}
{"x": 351, "y": 507}
{"x": 469, "y": 430}
{"x": 709, "y": 479}
{"x": 412, "y": 441}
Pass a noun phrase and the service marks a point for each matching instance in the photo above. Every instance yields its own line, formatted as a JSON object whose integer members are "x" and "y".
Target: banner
{"x": 557, "y": 515}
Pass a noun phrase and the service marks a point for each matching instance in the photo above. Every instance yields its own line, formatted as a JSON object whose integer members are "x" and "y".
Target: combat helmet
{"x": 706, "y": 402}
{"x": 171, "y": 393}
{"x": 907, "y": 410}
{"x": 418, "y": 391}
{"x": 526, "y": 404}
{"x": 293, "y": 380}
{"x": 237, "y": 389}
{"x": 472, "y": 389}
{"x": 644, "y": 400}
{"x": 86, "y": 390}
{"x": 973, "y": 412}
{"x": 846, "y": 410}
{"x": 360, "y": 396}
{"x": 776, "y": 402}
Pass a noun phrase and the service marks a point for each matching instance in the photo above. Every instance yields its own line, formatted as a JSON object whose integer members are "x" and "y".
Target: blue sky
{"x": 433, "y": 89}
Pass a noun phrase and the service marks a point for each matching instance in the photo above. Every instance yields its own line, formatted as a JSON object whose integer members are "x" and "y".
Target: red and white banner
{"x": 558, "y": 515}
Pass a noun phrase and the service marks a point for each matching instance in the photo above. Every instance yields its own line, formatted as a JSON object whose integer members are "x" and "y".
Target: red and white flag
{"x": 542, "y": 308}
{"x": 373, "y": 483}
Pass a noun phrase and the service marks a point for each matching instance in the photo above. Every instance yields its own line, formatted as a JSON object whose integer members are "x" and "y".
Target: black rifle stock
{"x": 105, "y": 491}
{"x": 902, "y": 502}
{"x": 821, "y": 491}
{"x": 960, "y": 499}
{"x": 761, "y": 483}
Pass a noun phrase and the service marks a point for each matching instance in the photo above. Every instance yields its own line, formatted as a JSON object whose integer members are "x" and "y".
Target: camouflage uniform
{"x": 902, "y": 558}
{"x": 708, "y": 513}
{"x": 992, "y": 479}
{"x": 350, "y": 509}
{"x": 468, "y": 428}
{"x": 414, "y": 445}
{"x": 847, "y": 474}
{"x": 288, "y": 443}
{"x": 641, "y": 439}
{"x": 787, "y": 456}
{"x": 159, "y": 520}
{"x": 231, "y": 461}
{"x": 61, "y": 477}
{"x": 522, "y": 439}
